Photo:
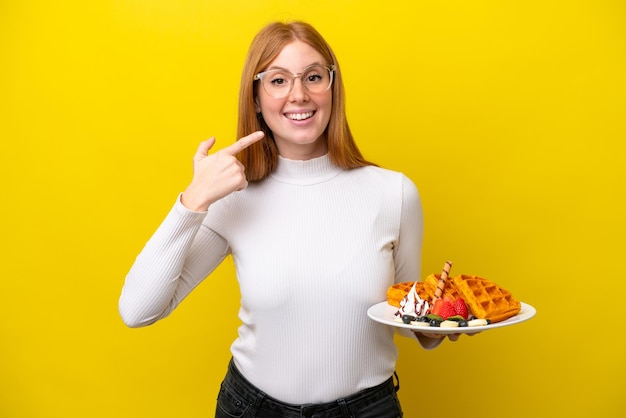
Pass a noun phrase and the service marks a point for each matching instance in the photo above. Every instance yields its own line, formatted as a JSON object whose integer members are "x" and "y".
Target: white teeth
{"x": 299, "y": 116}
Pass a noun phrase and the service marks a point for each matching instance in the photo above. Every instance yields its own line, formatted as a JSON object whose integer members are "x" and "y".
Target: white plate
{"x": 384, "y": 313}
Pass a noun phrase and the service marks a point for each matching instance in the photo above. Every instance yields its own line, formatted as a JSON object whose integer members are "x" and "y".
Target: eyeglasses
{"x": 278, "y": 82}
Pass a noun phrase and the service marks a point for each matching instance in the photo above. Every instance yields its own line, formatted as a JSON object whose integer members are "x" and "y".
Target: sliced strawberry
{"x": 436, "y": 307}
{"x": 461, "y": 308}
{"x": 447, "y": 310}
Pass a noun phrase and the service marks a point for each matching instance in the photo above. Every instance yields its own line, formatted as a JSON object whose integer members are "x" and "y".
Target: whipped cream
{"x": 413, "y": 305}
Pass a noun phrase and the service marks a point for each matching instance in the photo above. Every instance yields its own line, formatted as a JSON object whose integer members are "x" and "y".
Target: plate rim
{"x": 527, "y": 312}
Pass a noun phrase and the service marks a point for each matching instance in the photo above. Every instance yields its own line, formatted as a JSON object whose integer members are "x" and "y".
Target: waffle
{"x": 398, "y": 291}
{"x": 425, "y": 290}
{"x": 486, "y": 299}
{"x": 449, "y": 291}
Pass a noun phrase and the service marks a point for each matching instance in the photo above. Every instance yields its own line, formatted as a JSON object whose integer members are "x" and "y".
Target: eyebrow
{"x": 284, "y": 69}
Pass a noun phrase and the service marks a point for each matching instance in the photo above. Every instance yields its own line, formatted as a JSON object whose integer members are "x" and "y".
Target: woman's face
{"x": 298, "y": 121}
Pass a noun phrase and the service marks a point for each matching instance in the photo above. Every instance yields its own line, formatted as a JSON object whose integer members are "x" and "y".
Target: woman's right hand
{"x": 216, "y": 175}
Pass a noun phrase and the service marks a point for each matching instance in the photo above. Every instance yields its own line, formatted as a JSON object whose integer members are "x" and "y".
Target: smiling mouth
{"x": 299, "y": 116}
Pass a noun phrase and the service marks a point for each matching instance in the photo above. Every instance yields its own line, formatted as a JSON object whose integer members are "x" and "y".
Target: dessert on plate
{"x": 464, "y": 300}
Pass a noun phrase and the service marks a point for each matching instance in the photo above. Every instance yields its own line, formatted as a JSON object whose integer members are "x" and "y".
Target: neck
{"x": 302, "y": 152}
{"x": 305, "y": 172}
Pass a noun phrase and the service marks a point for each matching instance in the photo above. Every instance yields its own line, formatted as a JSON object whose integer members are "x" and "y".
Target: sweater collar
{"x": 305, "y": 172}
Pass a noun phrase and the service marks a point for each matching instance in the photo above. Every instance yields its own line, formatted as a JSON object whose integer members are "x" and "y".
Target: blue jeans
{"x": 239, "y": 398}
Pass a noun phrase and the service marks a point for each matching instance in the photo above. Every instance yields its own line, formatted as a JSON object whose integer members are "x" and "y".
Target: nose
{"x": 298, "y": 92}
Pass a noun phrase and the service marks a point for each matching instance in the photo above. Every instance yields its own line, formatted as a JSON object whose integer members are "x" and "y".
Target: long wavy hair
{"x": 261, "y": 158}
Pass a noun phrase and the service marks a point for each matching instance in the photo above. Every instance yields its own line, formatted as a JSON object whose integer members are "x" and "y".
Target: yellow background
{"x": 508, "y": 115}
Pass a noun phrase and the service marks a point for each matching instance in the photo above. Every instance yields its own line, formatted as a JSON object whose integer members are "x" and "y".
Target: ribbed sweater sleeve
{"x": 172, "y": 263}
{"x": 410, "y": 240}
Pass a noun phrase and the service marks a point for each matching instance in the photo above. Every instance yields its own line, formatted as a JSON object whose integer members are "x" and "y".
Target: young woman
{"x": 317, "y": 234}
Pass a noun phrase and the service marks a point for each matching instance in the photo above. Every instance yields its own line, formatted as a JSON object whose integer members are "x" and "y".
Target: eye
{"x": 314, "y": 78}
{"x": 314, "y": 75}
{"x": 278, "y": 78}
{"x": 277, "y": 81}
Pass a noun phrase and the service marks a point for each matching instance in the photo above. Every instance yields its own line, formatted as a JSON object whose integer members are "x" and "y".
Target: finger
{"x": 244, "y": 184}
{"x": 429, "y": 335}
{"x": 244, "y": 143}
{"x": 204, "y": 147}
{"x": 454, "y": 337}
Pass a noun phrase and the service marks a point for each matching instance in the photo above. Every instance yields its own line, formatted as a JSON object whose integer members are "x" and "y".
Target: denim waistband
{"x": 264, "y": 403}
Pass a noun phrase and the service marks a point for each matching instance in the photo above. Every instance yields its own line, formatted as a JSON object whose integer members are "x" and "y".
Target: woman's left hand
{"x": 451, "y": 337}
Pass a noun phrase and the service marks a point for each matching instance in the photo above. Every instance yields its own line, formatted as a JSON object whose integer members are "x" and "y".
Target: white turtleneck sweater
{"x": 314, "y": 247}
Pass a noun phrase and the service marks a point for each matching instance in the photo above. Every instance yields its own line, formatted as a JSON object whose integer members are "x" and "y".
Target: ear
{"x": 257, "y": 106}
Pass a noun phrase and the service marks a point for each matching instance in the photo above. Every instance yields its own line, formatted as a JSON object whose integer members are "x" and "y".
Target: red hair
{"x": 261, "y": 158}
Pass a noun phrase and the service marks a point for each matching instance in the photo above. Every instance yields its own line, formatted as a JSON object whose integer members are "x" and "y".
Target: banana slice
{"x": 477, "y": 322}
